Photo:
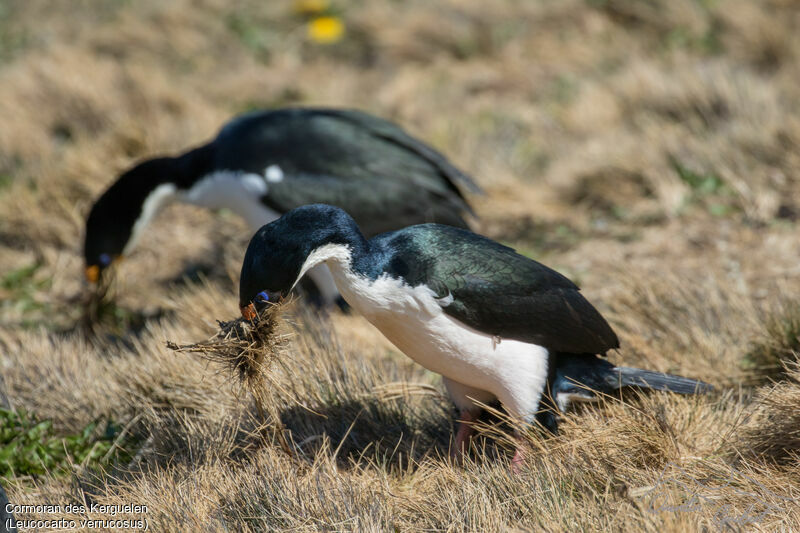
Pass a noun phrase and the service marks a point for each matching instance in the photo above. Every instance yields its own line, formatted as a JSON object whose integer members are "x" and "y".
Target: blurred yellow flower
{"x": 326, "y": 30}
{"x": 310, "y": 7}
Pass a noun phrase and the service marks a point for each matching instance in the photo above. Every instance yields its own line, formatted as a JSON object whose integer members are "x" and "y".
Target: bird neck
{"x": 185, "y": 170}
{"x": 154, "y": 184}
{"x": 336, "y": 256}
{"x": 342, "y": 248}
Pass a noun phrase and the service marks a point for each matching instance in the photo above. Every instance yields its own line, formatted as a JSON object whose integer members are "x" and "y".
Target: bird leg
{"x": 519, "y": 456}
{"x": 463, "y": 434}
{"x": 547, "y": 419}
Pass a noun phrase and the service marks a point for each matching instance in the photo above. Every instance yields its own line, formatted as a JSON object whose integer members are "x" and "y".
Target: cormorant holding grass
{"x": 495, "y": 324}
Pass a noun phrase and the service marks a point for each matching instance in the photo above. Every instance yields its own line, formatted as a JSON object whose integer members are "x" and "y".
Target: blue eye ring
{"x": 263, "y": 295}
{"x": 105, "y": 259}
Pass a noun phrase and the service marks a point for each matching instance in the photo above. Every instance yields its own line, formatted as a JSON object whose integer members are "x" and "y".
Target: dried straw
{"x": 248, "y": 348}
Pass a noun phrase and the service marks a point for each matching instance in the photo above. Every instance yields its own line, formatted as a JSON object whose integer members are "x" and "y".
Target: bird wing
{"x": 493, "y": 289}
{"x": 365, "y": 165}
{"x": 391, "y": 133}
{"x": 376, "y": 209}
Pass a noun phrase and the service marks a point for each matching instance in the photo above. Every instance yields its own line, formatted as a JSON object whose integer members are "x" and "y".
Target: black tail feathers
{"x": 579, "y": 375}
{"x": 636, "y": 377}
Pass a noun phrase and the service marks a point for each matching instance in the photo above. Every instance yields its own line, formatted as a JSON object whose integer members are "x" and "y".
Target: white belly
{"x": 413, "y": 320}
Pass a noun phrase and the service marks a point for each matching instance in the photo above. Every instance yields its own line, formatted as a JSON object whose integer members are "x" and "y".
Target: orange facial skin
{"x": 249, "y": 311}
{"x": 92, "y": 273}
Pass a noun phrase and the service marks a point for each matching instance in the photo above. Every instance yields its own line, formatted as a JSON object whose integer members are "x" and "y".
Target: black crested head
{"x": 277, "y": 252}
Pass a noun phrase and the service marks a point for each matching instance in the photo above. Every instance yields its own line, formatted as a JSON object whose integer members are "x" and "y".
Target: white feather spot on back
{"x": 273, "y": 174}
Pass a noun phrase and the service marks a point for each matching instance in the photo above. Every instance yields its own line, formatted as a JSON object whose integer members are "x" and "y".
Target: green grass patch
{"x": 701, "y": 183}
{"x": 5, "y": 182}
{"x": 30, "y": 447}
{"x": 706, "y": 189}
{"x": 706, "y": 43}
{"x": 20, "y": 286}
{"x": 14, "y": 39}
{"x": 257, "y": 37}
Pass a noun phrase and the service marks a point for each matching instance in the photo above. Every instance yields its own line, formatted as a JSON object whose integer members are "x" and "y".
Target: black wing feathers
{"x": 388, "y": 131}
{"x": 384, "y": 178}
{"x": 497, "y": 291}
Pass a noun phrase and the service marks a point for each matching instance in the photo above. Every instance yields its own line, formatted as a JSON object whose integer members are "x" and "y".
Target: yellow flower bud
{"x": 325, "y": 30}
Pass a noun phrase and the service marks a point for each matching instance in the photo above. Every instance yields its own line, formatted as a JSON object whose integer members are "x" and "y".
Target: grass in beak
{"x": 98, "y": 303}
{"x": 248, "y": 348}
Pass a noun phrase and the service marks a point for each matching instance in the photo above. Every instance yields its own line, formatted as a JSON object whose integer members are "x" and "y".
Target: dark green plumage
{"x": 369, "y": 167}
{"x": 495, "y": 290}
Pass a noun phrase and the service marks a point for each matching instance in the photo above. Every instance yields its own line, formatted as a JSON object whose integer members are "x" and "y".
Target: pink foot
{"x": 518, "y": 461}
{"x": 463, "y": 435}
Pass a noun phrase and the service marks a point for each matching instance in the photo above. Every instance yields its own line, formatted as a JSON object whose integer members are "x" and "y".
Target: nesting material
{"x": 96, "y": 301}
{"x": 248, "y": 348}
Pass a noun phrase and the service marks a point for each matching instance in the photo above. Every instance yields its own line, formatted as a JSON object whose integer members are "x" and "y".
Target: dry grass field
{"x": 650, "y": 150}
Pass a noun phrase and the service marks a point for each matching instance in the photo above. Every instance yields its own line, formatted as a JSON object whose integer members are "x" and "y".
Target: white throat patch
{"x": 338, "y": 253}
{"x": 155, "y": 201}
{"x": 225, "y": 189}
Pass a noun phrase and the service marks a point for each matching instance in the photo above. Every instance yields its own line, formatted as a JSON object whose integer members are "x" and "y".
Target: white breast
{"x": 412, "y": 318}
{"x": 513, "y": 371}
{"x": 238, "y": 191}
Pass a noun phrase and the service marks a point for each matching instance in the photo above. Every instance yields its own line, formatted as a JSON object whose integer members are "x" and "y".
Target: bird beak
{"x": 249, "y": 311}
{"x": 92, "y": 273}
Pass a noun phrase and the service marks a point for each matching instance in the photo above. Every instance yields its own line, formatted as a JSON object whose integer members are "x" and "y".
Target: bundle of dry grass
{"x": 246, "y": 347}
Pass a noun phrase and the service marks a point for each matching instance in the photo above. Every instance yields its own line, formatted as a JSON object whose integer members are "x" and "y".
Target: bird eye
{"x": 262, "y": 296}
{"x": 105, "y": 259}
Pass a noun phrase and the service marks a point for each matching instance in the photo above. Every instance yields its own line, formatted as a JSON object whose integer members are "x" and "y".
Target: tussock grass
{"x": 779, "y": 342}
{"x": 647, "y": 150}
{"x": 773, "y": 433}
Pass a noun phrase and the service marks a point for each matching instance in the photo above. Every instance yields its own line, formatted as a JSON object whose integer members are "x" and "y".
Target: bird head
{"x": 119, "y": 215}
{"x": 283, "y": 250}
{"x": 270, "y": 268}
